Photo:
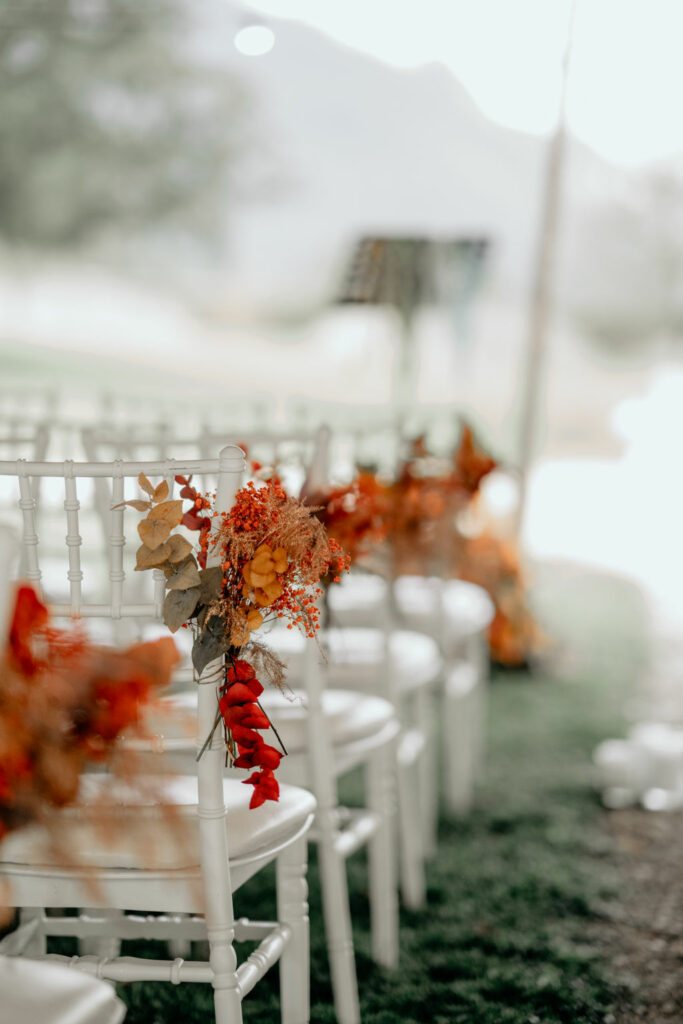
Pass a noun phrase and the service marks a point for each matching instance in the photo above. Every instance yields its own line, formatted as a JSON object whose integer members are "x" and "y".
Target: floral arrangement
{"x": 64, "y": 702}
{"x": 272, "y": 553}
{"x": 356, "y": 515}
{"x": 419, "y": 522}
{"x": 426, "y": 499}
{"x": 495, "y": 565}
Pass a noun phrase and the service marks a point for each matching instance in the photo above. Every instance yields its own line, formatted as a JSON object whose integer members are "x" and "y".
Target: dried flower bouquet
{"x": 271, "y": 555}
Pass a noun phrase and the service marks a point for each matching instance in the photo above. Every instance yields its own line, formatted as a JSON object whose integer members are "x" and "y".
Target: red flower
{"x": 238, "y": 693}
{"x": 193, "y": 521}
{"x": 260, "y": 755}
{"x": 243, "y": 716}
{"x": 247, "y": 715}
{"x": 244, "y": 737}
{"x": 266, "y": 787}
{"x": 241, "y": 670}
{"x": 30, "y": 616}
{"x": 186, "y": 491}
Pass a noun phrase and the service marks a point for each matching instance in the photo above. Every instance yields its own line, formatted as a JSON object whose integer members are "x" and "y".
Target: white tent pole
{"x": 541, "y": 296}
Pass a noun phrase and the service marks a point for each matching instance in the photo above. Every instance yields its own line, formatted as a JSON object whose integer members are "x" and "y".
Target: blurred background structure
{"x": 194, "y": 196}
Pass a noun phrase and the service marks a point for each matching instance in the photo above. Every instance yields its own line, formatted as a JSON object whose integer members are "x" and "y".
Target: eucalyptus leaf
{"x": 179, "y": 606}
{"x": 185, "y": 577}
{"x": 208, "y": 646}
{"x": 146, "y": 558}
{"x": 210, "y": 583}
{"x": 178, "y": 548}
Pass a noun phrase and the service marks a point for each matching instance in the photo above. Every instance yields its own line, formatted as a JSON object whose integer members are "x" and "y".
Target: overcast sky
{"x": 627, "y": 74}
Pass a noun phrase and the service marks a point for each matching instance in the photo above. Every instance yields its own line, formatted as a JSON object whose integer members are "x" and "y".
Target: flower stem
{"x": 208, "y": 739}
{"x": 277, "y": 734}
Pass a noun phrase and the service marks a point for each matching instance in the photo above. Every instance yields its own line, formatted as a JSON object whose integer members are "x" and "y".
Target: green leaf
{"x": 179, "y": 606}
{"x": 210, "y": 583}
{"x": 185, "y": 577}
{"x": 210, "y": 644}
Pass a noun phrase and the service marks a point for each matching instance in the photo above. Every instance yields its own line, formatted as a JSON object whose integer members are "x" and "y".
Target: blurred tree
{"x": 630, "y": 284}
{"x": 107, "y": 120}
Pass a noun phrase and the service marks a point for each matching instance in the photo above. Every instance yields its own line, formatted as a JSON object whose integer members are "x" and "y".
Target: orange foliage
{"x": 63, "y": 702}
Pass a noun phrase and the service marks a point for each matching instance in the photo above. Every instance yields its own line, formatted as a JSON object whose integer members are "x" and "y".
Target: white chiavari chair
{"x": 21, "y": 438}
{"x": 400, "y": 667}
{"x": 454, "y": 613}
{"x": 181, "y": 882}
{"x": 457, "y": 615}
{"x": 327, "y": 733}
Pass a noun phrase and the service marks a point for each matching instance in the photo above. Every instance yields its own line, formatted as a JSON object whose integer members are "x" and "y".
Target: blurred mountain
{"x": 356, "y": 147}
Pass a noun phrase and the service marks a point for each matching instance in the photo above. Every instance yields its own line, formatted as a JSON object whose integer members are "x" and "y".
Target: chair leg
{"x": 36, "y": 945}
{"x": 481, "y": 727}
{"x": 223, "y": 959}
{"x": 382, "y": 868}
{"x": 428, "y": 773}
{"x": 180, "y": 947}
{"x": 339, "y": 935}
{"x": 292, "y": 909}
{"x": 104, "y": 946}
{"x": 413, "y": 885}
{"x": 460, "y": 753}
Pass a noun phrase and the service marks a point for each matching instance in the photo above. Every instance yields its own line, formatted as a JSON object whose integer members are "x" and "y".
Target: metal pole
{"x": 541, "y": 298}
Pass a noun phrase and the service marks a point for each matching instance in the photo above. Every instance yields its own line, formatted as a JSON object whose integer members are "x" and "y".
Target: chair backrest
{"x": 9, "y": 552}
{"x": 21, "y": 438}
{"x": 228, "y": 470}
{"x": 301, "y": 456}
{"x": 67, "y": 592}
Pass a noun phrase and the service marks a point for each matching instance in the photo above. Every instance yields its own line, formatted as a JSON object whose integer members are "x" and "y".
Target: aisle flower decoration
{"x": 429, "y": 512}
{"x": 426, "y": 499}
{"x": 494, "y": 564}
{"x": 272, "y": 553}
{"x": 356, "y": 514}
{"x": 64, "y": 703}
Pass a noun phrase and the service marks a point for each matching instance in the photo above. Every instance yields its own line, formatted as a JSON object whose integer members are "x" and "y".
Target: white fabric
{"x": 115, "y": 826}
{"x": 357, "y": 657}
{"x": 34, "y": 992}
{"x": 461, "y": 680}
{"x": 466, "y": 607}
{"x": 350, "y": 716}
{"x": 358, "y": 594}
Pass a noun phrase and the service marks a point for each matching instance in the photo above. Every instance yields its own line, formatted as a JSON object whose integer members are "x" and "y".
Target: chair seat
{"x": 462, "y": 609}
{"x": 350, "y": 716}
{"x": 45, "y": 993}
{"x": 52, "y": 993}
{"x": 153, "y": 826}
{"x": 356, "y": 657}
{"x": 468, "y": 609}
{"x": 359, "y": 599}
